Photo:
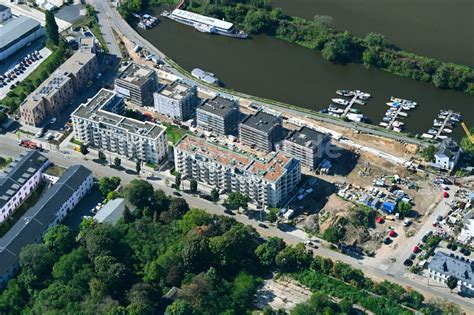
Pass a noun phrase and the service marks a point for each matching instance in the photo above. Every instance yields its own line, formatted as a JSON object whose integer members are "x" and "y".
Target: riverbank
{"x": 341, "y": 47}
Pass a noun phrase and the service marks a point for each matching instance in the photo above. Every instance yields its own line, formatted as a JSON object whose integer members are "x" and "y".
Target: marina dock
{"x": 347, "y": 112}
{"x": 446, "y": 120}
{"x": 394, "y": 118}
{"x": 349, "y": 106}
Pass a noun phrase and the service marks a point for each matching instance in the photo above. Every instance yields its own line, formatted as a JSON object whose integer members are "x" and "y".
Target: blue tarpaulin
{"x": 389, "y": 207}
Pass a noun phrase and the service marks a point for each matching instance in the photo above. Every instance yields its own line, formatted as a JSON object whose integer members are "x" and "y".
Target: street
{"x": 370, "y": 266}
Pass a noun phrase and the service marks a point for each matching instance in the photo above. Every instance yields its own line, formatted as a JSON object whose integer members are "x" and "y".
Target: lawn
{"x": 174, "y": 133}
{"x": 18, "y": 214}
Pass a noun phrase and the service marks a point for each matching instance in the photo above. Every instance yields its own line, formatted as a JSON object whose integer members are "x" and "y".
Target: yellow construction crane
{"x": 468, "y": 133}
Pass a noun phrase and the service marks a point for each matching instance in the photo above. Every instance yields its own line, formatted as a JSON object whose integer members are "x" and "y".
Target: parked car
{"x": 263, "y": 225}
{"x": 177, "y": 194}
{"x": 408, "y": 262}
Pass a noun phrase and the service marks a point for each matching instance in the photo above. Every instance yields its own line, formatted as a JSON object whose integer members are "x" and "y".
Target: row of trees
{"x": 215, "y": 263}
{"x": 339, "y": 47}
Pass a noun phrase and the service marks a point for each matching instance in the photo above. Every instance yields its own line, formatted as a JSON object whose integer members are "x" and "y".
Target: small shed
{"x": 389, "y": 206}
{"x": 111, "y": 212}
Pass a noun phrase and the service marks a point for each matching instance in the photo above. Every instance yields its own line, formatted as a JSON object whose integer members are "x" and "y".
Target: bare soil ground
{"x": 283, "y": 293}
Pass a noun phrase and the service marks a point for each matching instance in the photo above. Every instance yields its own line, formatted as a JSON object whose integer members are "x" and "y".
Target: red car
{"x": 445, "y": 194}
{"x": 392, "y": 233}
{"x": 416, "y": 249}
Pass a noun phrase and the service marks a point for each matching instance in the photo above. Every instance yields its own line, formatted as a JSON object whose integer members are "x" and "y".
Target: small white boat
{"x": 403, "y": 114}
{"x": 397, "y": 129}
{"x": 427, "y": 136}
{"x": 344, "y": 92}
{"x": 432, "y": 131}
{"x": 443, "y": 112}
{"x": 447, "y": 130}
{"x": 442, "y": 137}
{"x": 355, "y": 117}
{"x": 397, "y": 123}
{"x": 387, "y": 118}
{"x": 441, "y": 116}
{"x": 362, "y": 94}
{"x": 360, "y": 102}
{"x": 340, "y": 101}
{"x": 454, "y": 118}
{"x": 336, "y": 110}
{"x": 383, "y": 124}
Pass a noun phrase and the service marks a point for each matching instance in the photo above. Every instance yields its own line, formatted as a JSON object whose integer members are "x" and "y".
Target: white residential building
{"x": 269, "y": 180}
{"x": 50, "y": 210}
{"x": 444, "y": 265}
{"x": 447, "y": 155}
{"x": 19, "y": 180}
{"x": 177, "y": 100}
{"x": 99, "y": 123}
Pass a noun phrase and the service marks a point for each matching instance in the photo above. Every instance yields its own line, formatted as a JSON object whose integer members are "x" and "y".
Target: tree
{"x": 59, "y": 239}
{"x": 108, "y": 184}
{"x": 51, "y": 28}
{"x": 267, "y": 251}
{"x": 375, "y": 39}
{"x": 3, "y": 118}
{"x": 140, "y": 193}
{"x": 138, "y": 167}
{"x": 214, "y": 194}
{"x": 196, "y": 254}
{"x": 193, "y": 185}
{"x": 177, "y": 180}
{"x": 102, "y": 156}
{"x": 429, "y": 153}
{"x": 117, "y": 162}
{"x": 36, "y": 262}
{"x": 177, "y": 209}
{"x": 179, "y": 307}
{"x": 293, "y": 258}
{"x": 333, "y": 234}
{"x": 403, "y": 208}
{"x": 127, "y": 215}
{"x": 235, "y": 200}
{"x": 452, "y": 282}
{"x": 83, "y": 149}
{"x": 142, "y": 299}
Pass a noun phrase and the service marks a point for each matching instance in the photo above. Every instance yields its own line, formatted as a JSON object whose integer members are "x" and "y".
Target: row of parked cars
{"x": 10, "y": 76}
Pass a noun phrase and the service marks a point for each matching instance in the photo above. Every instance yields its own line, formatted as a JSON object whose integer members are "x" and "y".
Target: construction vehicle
{"x": 468, "y": 133}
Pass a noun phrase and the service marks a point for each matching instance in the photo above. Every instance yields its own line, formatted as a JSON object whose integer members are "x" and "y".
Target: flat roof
{"x": 27, "y": 229}
{"x": 307, "y": 137}
{"x": 111, "y": 212}
{"x": 271, "y": 167}
{"x": 219, "y": 106}
{"x": 176, "y": 90}
{"x": 262, "y": 121}
{"x": 202, "y": 19}
{"x": 77, "y": 61}
{"x": 136, "y": 74}
{"x": 14, "y": 28}
{"x": 453, "y": 265}
{"x": 17, "y": 174}
{"x": 97, "y": 109}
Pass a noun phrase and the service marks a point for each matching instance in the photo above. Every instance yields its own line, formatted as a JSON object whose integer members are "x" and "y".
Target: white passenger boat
{"x": 383, "y": 124}
{"x": 340, "y": 101}
{"x": 359, "y": 101}
{"x": 432, "y": 131}
{"x": 447, "y": 130}
{"x": 427, "y": 136}
{"x": 403, "y": 114}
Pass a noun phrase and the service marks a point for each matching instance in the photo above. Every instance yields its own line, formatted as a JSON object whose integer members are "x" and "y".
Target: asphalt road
{"x": 370, "y": 266}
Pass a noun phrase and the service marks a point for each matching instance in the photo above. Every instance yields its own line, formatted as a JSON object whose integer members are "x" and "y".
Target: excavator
{"x": 468, "y": 133}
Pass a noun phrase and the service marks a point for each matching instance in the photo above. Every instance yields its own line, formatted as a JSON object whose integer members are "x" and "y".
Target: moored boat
{"x": 340, "y": 101}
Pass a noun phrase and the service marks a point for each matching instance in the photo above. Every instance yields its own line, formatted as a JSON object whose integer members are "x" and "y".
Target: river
{"x": 275, "y": 69}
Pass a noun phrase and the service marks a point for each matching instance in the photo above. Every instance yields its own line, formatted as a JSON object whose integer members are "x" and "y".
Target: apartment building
{"x": 177, "y": 100}
{"x": 19, "y": 180}
{"x": 51, "y": 209}
{"x": 444, "y": 265}
{"x": 54, "y": 94}
{"x": 269, "y": 180}
{"x": 99, "y": 123}
{"x": 447, "y": 156}
{"x": 48, "y": 99}
{"x": 261, "y": 131}
{"x": 307, "y": 145}
{"x": 82, "y": 67}
{"x": 219, "y": 115}
{"x": 137, "y": 84}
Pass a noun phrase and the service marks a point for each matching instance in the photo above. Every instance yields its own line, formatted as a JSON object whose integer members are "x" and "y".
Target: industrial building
{"x": 16, "y": 32}
{"x": 99, "y": 123}
{"x": 307, "y": 145}
{"x": 219, "y": 115}
{"x": 19, "y": 180}
{"x": 269, "y": 180}
{"x": 177, "y": 100}
{"x": 137, "y": 84}
{"x": 261, "y": 131}
{"x": 50, "y": 210}
{"x": 54, "y": 94}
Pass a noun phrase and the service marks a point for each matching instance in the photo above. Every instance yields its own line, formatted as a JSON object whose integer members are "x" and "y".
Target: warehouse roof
{"x": 14, "y": 28}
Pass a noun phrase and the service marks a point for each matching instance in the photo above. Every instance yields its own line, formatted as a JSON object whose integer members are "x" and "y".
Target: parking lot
{"x": 16, "y": 69}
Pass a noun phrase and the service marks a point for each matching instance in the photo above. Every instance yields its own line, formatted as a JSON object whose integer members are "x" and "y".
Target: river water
{"x": 275, "y": 69}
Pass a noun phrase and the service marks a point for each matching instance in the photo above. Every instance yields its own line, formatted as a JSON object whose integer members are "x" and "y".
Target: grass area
{"x": 100, "y": 37}
{"x": 174, "y": 133}
{"x": 16, "y": 96}
{"x": 6, "y": 225}
{"x": 121, "y": 45}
